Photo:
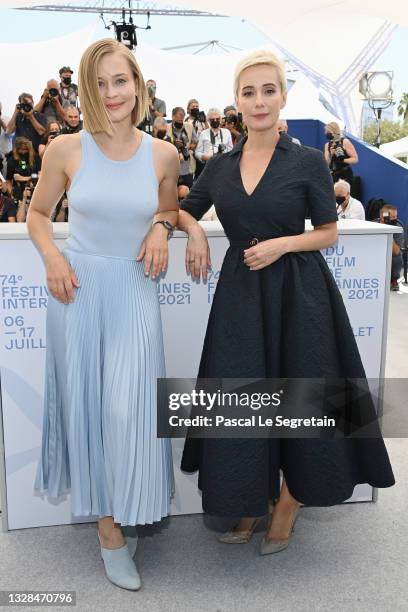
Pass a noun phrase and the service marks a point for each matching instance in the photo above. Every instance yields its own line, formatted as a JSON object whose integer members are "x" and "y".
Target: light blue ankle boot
{"x": 120, "y": 568}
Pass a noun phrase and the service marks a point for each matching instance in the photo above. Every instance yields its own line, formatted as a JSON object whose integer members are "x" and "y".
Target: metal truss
{"x": 112, "y": 7}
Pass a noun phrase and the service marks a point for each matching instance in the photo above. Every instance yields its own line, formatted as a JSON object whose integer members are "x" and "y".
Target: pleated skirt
{"x": 104, "y": 355}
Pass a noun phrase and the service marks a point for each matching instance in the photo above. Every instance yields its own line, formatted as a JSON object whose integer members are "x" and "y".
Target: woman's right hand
{"x": 198, "y": 259}
{"x": 61, "y": 278}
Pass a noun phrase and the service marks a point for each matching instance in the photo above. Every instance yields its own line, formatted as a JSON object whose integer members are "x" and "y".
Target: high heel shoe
{"x": 269, "y": 546}
{"x": 233, "y": 536}
{"x": 120, "y": 568}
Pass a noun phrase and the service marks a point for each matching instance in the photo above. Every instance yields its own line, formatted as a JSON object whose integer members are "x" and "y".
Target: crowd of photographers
{"x": 198, "y": 136}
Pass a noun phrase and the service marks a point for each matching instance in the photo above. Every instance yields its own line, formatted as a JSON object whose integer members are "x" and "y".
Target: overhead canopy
{"x": 332, "y": 41}
{"x": 397, "y": 148}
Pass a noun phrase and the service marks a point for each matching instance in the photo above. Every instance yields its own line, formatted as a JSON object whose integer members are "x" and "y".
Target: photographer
{"x": 160, "y": 129}
{"x": 53, "y": 130}
{"x": 68, "y": 89}
{"x": 60, "y": 213}
{"x": 339, "y": 153}
{"x": 24, "y": 203}
{"x": 50, "y": 103}
{"x": 388, "y": 215}
{"x": 8, "y": 210}
{"x": 347, "y": 207}
{"x": 72, "y": 122}
{"x": 157, "y": 108}
{"x": 182, "y": 136}
{"x": 233, "y": 122}
{"x": 26, "y": 122}
{"x": 23, "y": 166}
{"x": 199, "y": 122}
{"x": 283, "y": 129}
{"x": 5, "y": 139}
{"x": 215, "y": 140}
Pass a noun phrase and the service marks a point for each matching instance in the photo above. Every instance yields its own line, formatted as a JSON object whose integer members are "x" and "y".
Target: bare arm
{"x": 11, "y": 126}
{"x": 351, "y": 152}
{"x": 154, "y": 249}
{"x": 50, "y": 187}
{"x": 327, "y": 155}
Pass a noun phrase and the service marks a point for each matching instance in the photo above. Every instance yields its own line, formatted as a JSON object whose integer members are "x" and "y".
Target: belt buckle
{"x": 253, "y": 242}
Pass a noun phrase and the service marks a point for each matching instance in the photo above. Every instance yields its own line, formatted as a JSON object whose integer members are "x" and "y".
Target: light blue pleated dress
{"x": 105, "y": 351}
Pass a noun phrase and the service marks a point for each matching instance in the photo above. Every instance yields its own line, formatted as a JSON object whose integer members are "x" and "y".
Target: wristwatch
{"x": 168, "y": 227}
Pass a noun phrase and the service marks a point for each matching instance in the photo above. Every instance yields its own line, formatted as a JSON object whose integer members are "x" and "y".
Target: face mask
{"x": 66, "y": 80}
{"x": 329, "y": 136}
{"x": 194, "y": 112}
{"x": 215, "y": 123}
{"x": 161, "y": 134}
{"x": 340, "y": 199}
{"x": 178, "y": 125}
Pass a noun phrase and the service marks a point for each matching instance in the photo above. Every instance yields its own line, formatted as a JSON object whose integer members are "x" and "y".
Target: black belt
{"x": 247, "y": 244}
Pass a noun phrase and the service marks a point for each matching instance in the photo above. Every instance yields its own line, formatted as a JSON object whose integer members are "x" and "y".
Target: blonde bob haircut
{"x": 257, "y": 58}
{"x": 95, "y": 116}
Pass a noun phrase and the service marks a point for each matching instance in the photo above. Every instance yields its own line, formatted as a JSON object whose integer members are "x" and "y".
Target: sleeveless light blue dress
{"x": 105, "y": 351}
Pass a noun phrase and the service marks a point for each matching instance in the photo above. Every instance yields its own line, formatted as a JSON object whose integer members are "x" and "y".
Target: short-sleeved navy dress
{"x": 286, "y": 320}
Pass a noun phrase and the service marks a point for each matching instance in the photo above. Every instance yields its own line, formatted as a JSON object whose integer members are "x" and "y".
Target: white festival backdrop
{"x": 357, "y": 262}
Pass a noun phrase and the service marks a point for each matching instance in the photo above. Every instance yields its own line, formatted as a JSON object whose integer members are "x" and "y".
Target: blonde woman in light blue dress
{"x": 104, "y": 335}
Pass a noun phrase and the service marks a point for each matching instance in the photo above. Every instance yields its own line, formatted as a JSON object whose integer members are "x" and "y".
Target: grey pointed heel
{"x": 132, "y": 545}
{"x": 269, "y": 546}
{"x": 241, "y": 537}
{"x": 120, "y": 568}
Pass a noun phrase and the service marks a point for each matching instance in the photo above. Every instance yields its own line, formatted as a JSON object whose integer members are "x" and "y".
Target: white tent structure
{"x": 332, "y": 43}
{"x": 397, "y": 148}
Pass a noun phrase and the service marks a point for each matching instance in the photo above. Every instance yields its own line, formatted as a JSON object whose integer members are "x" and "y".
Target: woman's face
{"x": 260, "y": 98}
{"x": 116, "y": 86}
{"x": 22, "y": 149}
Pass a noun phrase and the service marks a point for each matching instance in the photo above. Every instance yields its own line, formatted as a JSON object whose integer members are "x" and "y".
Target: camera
{"x": 337, "y": 149}
{"x": 231, "y": 119}
{"x": 221, "y": 148}
{"x": 34, "y": 179}
{"x": 184, "y": 151}
{"x": 387, "y": 220}
{"x": 198, "y": 115}
{"x": 53, "y": 135}
{"x": 25, "y": 106}
{"x": 53, "y": 91}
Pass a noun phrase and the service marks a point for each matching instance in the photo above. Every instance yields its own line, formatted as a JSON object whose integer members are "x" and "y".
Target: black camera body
{"x": 338, "y": 152}
{"x": 221, "y": 148}
{"x": 53, "y": 92}
{"x": 198, "y": 115}
{"x": 25, "y": 106}
{"x": 231, "y": 119}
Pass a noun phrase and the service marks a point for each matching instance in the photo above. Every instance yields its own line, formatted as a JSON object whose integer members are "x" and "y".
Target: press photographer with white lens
{"x": 215, "y": 140}
{"x": 339, "y": 153}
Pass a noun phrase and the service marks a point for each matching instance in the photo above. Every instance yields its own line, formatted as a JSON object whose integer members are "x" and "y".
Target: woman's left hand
{"x": 154, "y": 250}
{"x": 264, "y": 253}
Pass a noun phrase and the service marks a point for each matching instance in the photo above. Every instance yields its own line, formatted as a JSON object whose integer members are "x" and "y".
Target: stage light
{"x": 376, "y": 85}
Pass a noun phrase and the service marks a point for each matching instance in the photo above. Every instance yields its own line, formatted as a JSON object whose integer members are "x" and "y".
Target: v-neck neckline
{"x": 249, "y": 195}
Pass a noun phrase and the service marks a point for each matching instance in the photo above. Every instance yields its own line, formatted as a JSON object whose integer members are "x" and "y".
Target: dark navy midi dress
{"x": 286, "y": 320}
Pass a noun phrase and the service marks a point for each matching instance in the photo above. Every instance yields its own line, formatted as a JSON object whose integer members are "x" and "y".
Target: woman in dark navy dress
{"x": 277, "y": 312}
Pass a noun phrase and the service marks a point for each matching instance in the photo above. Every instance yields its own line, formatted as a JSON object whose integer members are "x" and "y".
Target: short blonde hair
{"x": 334, "y": 127}
{"x": 258, "y": 58}
{"x": 96, "y": 117}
